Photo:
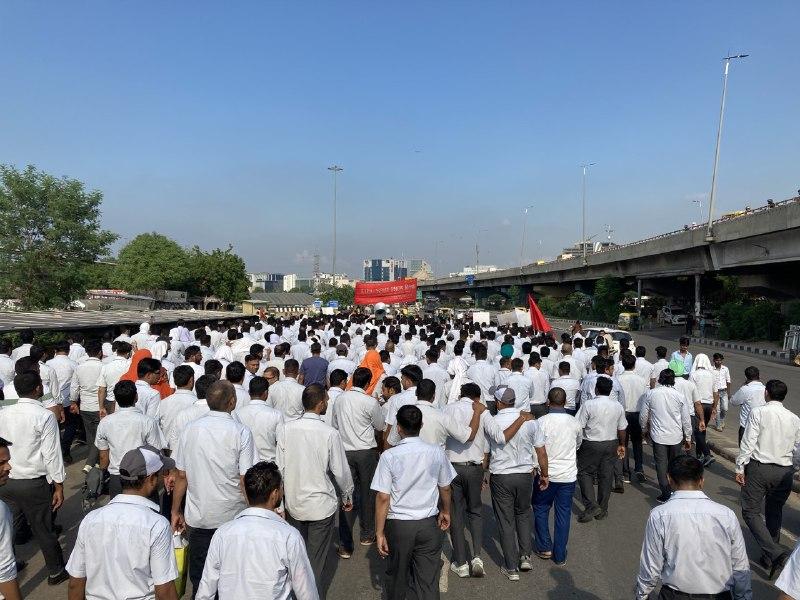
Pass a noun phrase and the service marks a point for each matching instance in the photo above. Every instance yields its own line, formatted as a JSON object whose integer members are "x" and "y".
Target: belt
{"x": 470, "y": 463}
{"x": 684, "y": 596}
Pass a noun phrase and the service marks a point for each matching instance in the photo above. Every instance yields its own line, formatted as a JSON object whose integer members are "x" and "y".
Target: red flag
{"x": 538, "y": 322}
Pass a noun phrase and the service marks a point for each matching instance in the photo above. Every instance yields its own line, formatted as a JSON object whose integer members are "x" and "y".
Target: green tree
{"x": 220, "y": 273}
{"x": 151, "y": 261}
{"x": 343, "y": 293}
{"x": 49, "y": 233}
{"x": 99, "y": 275}
{"x": 608, "y": 293}
{"x": 513, "y": 295}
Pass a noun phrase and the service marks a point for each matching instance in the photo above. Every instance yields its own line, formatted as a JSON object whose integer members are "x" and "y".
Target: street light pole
{"x": 710, "y": 230}
{"x": 699, "y": 202}
{"x": 524, "y": 225}
{"x": 583, "y": 205}
{"x": 335, "y": 169}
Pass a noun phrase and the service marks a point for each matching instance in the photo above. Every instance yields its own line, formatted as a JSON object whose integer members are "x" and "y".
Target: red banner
{"x": 388, "y": 292}
{"x": 538, "y": 322}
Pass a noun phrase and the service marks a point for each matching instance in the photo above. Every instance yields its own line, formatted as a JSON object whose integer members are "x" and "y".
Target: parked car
{"x": 616, "y": 335}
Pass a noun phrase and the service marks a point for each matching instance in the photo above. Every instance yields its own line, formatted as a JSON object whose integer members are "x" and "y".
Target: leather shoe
{"x": 777, "y": 563}
{"x": 58, "y": 577}
{"x": 587, "y": 515}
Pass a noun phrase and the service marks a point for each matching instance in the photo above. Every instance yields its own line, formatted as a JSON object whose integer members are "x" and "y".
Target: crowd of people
{"x": 260, "y": 443}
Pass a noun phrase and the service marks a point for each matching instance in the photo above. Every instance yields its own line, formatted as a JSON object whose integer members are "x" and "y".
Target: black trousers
{"x": 318, "y": 536}
{"x": 701, "y": 447}
{"x": 511, "y": 501}
{"x": 415, "y": 559}
{"x": 466, "y": 511}
{"x": 91, "y": 419}
{"x": 596, "y": 458}
{"x": 633, "y": 435}
{"x": 199, "y": 541}
{"x": 539, "y": 410}
{"x": 769, "y": 486}
{"x": 662, "y": 454}
{"x": 68, "y": 430}
{"x": 667, "y": 593}
{"x": 362, "y": 465}
{"x": 31, "y": 499}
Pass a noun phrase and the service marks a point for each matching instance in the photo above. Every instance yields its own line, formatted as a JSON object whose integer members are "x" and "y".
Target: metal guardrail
{"x": 744, "y": 215}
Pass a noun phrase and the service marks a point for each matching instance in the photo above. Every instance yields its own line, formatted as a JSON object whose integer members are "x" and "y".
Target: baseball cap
{"x": 504, "y": 394}
{"x": 142, "y": 462}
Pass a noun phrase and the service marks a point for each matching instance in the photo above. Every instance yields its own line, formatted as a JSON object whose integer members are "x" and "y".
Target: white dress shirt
{"x": 307, "y": 451}
{"x": 77, "y": 353}
{"x": 789, "y": 580}
{"x": 442, "y": 380}
{"x": 411, "y": 473}
{"x": 242, "y": 396}
{"x": 343, "y": 363}
{"x": 6, "y": 369}
{"x": 64, "y": 368}
{"x": 771, "y": 436}
{"x": 516, "y": 455}
{"x": 110, "y": 375}
{"x": 36, "y": 447}
{"x": 658, "y": 366}
{"x": 601, "y": 419}
{"x": 682, "y": 530}
{"x": 263, "y": 422}
{"x": 50, "y": 382}
{"x": 722, "y": 378}
{"x": 84, "y": 384}
{"x": 576, "y": 369}
{"x": 562, "y": 438}
{"x": 643, "y": 368}
{"x": 182, "y": 419}
{"x": 169, "y": 409}
{"x": 523, "y": 390}
{"x": 665, "y": 413}
{"x": 749, "y": 396}
{"x": 485, "y": 375}
{"x": 124, "y": 550}
{"x": 706, "y": 384}
{"x": 633, "y": 388}
{"x": 571, "y": 388}
{"x": 215, "y": 451}
{"x": 540, "y": 384}
{"x": 20, "y": 351}
{"x": 148, "y": 400}
{"x": 590, "y": 381}
{"x": 257, "y": 555}
{"x": 286, "y": 395}
{"x": 472, "y": 452}
{"x": 357, "y": 416}
{"x": 8, "y": 561}
{"x": 396, "y": 402}
{"x": 437, "y": 426}
{"x": 688, "y": 390}
{"x": 126, "y": 429}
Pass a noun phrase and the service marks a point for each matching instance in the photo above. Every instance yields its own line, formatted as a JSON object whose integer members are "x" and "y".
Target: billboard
{"x": 389, "y": 292}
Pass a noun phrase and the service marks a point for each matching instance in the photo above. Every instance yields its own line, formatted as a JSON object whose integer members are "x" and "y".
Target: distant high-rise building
{"x": 268, "y": 282}
{"x": 289, "y": 282}
{"x": 419, "y": 268}
{"x": 385, "y": 269}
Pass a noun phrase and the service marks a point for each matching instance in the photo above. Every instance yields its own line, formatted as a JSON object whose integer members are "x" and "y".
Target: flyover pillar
{"x": 697, "y": 295}
{"x": 639, "y": 296}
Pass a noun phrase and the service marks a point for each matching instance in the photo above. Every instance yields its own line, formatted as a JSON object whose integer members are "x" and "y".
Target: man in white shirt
{"x": 603, "y": 422}
{"x": 789, "y": 581}
{"x": 173, "y": 405}
{"x": 522, "y": 386}
{"x": 124, "y": 549}
{"x": 633, "y": 387}
{"x": 692, "y": 545}
{"x": 125, "y": 430}
{"x": 192, "y": 357}
{"x": 357, "y": 416}
{"x": 24, "y": 349}
{"x": 36, "y": 484}
{"x": 748, "y": 397}
{"x": 211, "y": 458}
{"x": 234, "y": 373}
{"x": 722, "y": 383}
{"x": 765, "y": 469}
{"x": 412, "y": 480}
{"x": 577, "y": 369}
{"x": 258, "y": 550}
{"x": 410, "y": 376}
{"x": 665, "y": 414}
{"x": 6, "y": 364}
{"x": 63, "y": 367}
{"x": 110, "y": 375}
{"x": 660, "y": 364}
{"x": 540, "y": 385}
{"x": 570, "y": 385}
{"x": 643, "y": 368}
{"x": 341, "y": 361}
{"x": 511, "y": 484}
{"x": 83, "y": 401}
{"x": 307, "y": 451}
{"x": 286, "y": 395}
{"x": 9, "y": 587}
{"x": 77, "y": 353}
{"x": 485, "y": 375}
{"x": 148, "y": 399}
{"x": 562, "y": 438}
{"x": 262, "y": 420}
{"x": 438, "y": 375}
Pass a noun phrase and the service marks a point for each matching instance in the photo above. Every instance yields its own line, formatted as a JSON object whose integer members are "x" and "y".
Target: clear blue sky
{"x": 214, "y": 122}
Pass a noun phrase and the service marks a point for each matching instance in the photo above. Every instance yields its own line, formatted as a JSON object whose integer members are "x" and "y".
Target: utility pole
{"x": 585, "y": 168}
{"x": 335, "y": 169}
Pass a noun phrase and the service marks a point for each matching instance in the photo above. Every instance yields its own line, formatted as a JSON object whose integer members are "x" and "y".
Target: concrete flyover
{"x": 761, "y": 246}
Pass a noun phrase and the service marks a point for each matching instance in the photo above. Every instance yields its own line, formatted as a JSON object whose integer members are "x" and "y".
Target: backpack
{"x": 92, "y": 488}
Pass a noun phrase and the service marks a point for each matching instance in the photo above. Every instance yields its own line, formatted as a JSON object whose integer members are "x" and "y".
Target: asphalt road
{"x": 603, "y": 555}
